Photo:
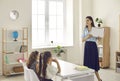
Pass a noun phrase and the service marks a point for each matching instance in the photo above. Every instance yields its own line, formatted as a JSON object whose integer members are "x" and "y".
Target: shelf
{"x": 25, "y": 38}
{"x": 104, "y": 49}
{"x": 13, "y": 41}
{"x": 15, "y": 63}
{"x": 14, "y": 54}
{"x": 118, "y": 51}
{"x": 118, "y": 62}
{"x": 100, "y": 46}
{"x": 11, "y": 51}
{"x": 118, "y": 70}
{"x": 13, "y": 73}
{"x": 16, "y": 73}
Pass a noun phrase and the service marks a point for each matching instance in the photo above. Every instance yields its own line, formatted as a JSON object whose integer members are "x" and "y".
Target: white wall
{"x": 74, "y": 54}
{"x": 109, "y": 11}
{"x": 86, "y": 9}
{"x": 22, "y": 6}
{"x": 81, "y": 9}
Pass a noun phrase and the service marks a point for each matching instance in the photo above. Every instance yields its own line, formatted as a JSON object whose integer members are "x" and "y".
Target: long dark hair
{"x": 44, "y": 58}
{"x": 40, "y": 64}
{"x": 90, "y": 18}
{"x": 32, "y": 58}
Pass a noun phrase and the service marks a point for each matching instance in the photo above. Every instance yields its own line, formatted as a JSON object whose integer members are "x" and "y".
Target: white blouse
{"x": 51, "y": 71}
{"x": 85, "y": 33}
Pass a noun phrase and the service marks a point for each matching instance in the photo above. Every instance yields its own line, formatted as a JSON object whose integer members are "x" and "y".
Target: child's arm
{"x": 37, "y": 67}
{"x": 58, "y": 65}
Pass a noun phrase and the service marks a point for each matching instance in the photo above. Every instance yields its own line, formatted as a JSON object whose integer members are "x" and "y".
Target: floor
{"x": 106, "y": 75}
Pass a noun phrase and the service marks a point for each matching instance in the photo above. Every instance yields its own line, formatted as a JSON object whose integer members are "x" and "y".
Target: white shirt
{"x": 51, "y": 71}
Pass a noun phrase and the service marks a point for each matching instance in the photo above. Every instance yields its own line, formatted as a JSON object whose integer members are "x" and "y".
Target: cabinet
{"x": 117, "y": 61}
{"x": 14, "y": 47}
{"x": 104, "y": 49}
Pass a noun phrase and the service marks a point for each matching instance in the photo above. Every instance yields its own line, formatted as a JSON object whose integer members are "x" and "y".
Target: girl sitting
{"x": 32, "y": 62}
{"x": 46, "y": 69}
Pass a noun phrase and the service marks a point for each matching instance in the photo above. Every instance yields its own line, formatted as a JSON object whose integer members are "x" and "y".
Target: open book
{"x": 97, "y": 32}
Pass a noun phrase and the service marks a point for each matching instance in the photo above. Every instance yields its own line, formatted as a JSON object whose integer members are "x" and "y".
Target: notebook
{"x": 97, "y": 32}
{"x": 81, "y": 68}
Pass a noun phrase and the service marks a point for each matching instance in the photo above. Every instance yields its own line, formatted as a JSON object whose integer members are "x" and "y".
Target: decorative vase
{"x": 15, "y": 35}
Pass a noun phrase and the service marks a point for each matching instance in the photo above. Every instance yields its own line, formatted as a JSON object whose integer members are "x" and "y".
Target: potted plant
{"x": 59, "y": 50}
{"x": 99, "y": 21}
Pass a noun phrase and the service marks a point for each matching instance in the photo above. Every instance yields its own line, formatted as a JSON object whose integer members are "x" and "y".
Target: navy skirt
{"x": 91, "y": 58}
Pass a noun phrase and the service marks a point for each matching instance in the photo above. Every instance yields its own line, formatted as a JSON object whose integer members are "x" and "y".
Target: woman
{"x": 32, "y": 62}
{"x": 91, "y": 58}
{"x": 46, "y": 69}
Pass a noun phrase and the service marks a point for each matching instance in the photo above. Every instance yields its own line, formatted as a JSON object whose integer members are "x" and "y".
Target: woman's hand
{"x": 90, "y": 35}
{"x": 99, "y": 38}
{"x": 87, "y": 37}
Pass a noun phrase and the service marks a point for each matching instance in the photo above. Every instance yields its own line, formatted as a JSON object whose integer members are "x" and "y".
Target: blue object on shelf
{"x": 15, "y": 35}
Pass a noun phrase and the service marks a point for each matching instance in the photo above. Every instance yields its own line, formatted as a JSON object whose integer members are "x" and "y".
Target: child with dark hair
{"x": 46, "y": 69}
{"x": 32, "y": 62}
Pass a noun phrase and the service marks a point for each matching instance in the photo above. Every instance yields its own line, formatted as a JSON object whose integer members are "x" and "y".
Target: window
{"x": 48, "y": 23}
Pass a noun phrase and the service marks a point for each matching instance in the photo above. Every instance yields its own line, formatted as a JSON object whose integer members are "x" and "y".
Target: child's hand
{"x": 58, "y": 65}
{"x": 54, "y": 60}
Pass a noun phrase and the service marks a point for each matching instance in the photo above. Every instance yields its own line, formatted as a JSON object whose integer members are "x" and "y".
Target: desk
{"x": 68, "y": 72}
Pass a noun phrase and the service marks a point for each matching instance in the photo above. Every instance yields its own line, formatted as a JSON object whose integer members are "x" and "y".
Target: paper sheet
{"x": 97, "y": 32}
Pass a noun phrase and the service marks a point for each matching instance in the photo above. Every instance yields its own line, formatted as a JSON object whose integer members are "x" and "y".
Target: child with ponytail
{"x": 46, "y": 69}
{"x": 32, "y": 62}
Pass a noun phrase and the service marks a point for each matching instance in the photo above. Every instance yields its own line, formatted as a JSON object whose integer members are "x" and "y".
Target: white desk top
{"x": 68, "y": 70}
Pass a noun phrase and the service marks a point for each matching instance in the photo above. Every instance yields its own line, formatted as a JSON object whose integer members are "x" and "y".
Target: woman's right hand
{"x": 90, "y": 35}
{"x": 87, "y": 37}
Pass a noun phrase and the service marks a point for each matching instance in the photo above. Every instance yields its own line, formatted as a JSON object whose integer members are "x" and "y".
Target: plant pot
{"x": 99, "y": 25}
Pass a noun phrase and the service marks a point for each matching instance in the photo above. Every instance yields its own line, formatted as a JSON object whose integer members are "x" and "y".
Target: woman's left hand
{"x": 99, "y": 38}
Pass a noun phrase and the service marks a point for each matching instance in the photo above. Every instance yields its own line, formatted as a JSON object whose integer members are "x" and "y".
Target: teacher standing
{"x": 91, "y": 58}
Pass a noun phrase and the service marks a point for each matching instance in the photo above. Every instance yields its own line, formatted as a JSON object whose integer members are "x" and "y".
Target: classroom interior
{"x": 75, "y": 13}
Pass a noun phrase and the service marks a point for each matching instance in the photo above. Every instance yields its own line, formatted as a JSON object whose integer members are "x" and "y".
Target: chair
{"x": 33, "y": 76}
{"x": 26, "y": 71}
